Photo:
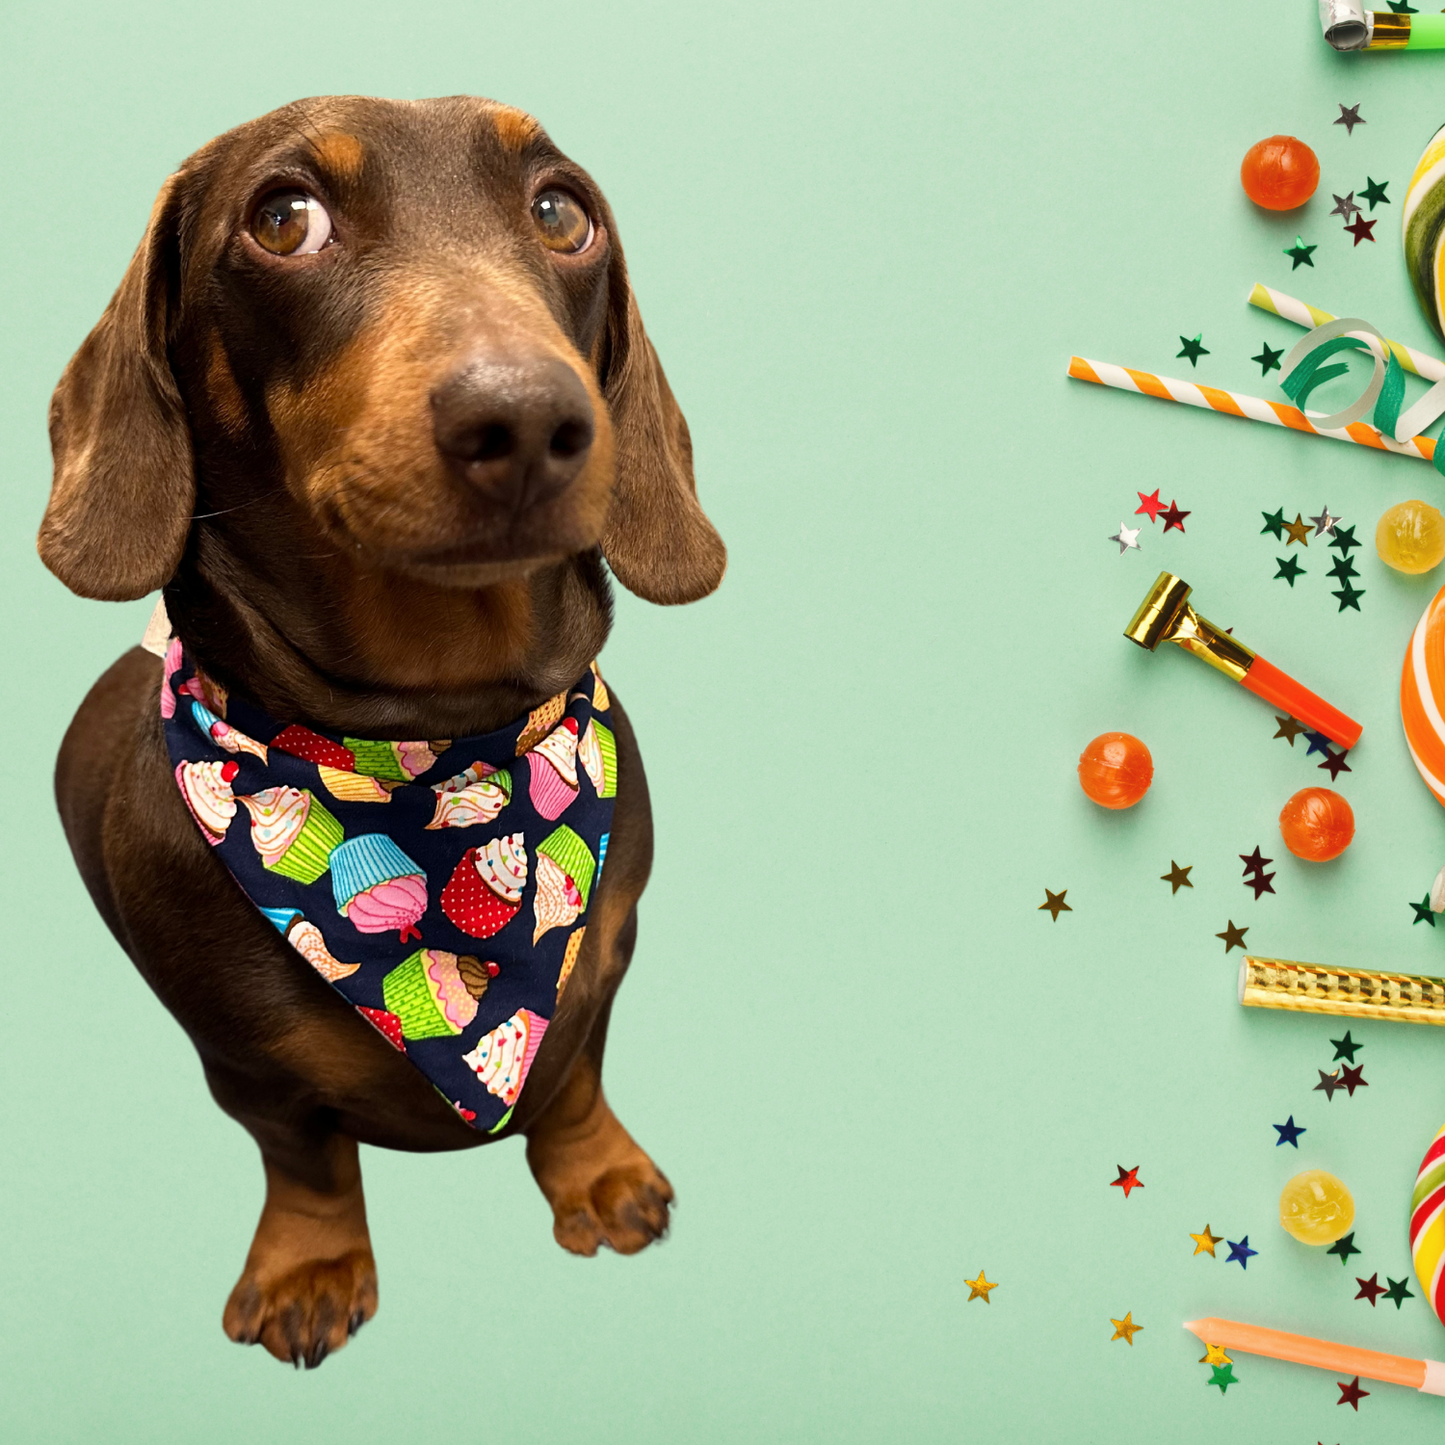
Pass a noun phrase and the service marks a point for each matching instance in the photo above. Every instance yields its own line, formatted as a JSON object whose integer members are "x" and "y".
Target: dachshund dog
{"x": 372, "y": 404}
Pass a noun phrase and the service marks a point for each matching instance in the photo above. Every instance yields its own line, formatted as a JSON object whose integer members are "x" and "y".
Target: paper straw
{"x": 1303, "y": 314}
{"x": 1234, "y": 403}
{"x": 1348, "y": 992}
{"x": 1426, "y": 1375}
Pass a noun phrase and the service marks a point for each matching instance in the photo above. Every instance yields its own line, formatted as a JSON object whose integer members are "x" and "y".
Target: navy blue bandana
{"x": 441, "y": 887}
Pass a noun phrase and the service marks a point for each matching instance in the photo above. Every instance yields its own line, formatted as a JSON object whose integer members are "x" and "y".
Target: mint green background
{"x": 866, "y": 241}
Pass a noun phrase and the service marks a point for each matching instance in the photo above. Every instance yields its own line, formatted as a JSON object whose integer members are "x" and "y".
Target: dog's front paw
{"x": 624, "y": 1207}
{"x": 305, "y": 1313}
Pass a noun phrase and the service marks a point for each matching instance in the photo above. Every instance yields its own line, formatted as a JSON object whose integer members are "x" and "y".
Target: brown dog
{"x": 371, "y": 404}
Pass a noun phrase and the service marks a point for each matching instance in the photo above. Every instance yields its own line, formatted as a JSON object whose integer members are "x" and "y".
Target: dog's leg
{"x": 310, "y": 1280}
{"x": 601, "y": 1185}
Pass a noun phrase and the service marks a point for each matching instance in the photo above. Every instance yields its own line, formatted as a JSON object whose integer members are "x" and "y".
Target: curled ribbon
{"x": 1304, "y": 370}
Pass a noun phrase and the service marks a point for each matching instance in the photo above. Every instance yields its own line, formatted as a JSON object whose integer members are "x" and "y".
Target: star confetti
{"x": 1223, "y": 1376}
{"x": 1370, "y": 1288}
{"x": 1351, "y": 1394}
{"x": 1343, "y": 568}
{"x": 1298, "y": 530}
{"x": 1233, "y": 937}
{"x": 1128, "y": 1179}
{"x": 979, "y": 1288}
{"x": 1345, "y": 205}
{"x": 1399, "y": 1291}
{"x": 1255, "y": 862}
{"x": 1268, "y": 358}
{"x": 1261, "y": 883}
{"x": 1152, "y": 505}
{"x": 1336, "y": 764}
{"x": 1204, "y": 1243}
{"x": 1361, "y": 230}
{"x": 1177, "y": 877}
{"x": 1240, "y": 1252}
{"x": 1125, "y": 1329}
{"x": 1351, "y": 1079}
{"x": 1288, "y": 728}
{"x": 1254, "y": 875}
{"x": 1214, "y": 1355}
{"x": 1344, "y": 1246}
{"x": 1299, "y": 253}
{"x": 1318, "y": 742}
{"x": 1273, "y": 522}
{"x": 1288, "y": 1133}
{"x": 1344, "y": 539}
{"x": 1127, "y": 537}
{"x": 1346, "y": 1048}
{"x": 1289, "y": 569}
{"x": 1423, "y": 913}
{"x": 1173, "y": 517}
{"x": 1329, "y": 1083}
{"x": 1350, "y": 115}
{"x": 1192, "y": 349}
{"x": 1325, "y": 522}
{"x": 1055, "y": 904}
{"x": 1348, "y": 596}
{"x": 1374, "y": 193}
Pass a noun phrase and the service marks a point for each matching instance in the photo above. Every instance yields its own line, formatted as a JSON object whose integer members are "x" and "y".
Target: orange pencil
{"x": 1427, "y": 1376}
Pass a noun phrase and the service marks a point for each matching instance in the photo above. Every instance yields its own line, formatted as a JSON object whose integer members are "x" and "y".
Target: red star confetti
{"x": 1152, "y": 505}
{"x": 1361, "y": 231}
{"x": 1173, "y": 517}
{"x": 1370, "y": 1289}
{"x": 1351, "y": 1394}
{"x": 1128, "y": 1179}
{"x": 1354, "y": 1078}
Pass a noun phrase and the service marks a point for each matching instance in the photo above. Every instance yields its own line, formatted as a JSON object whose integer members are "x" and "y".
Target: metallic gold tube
{"x": 1388, "y": 32}
{"x": 1166, "y": 616}
{"x": 1351, "y": 993}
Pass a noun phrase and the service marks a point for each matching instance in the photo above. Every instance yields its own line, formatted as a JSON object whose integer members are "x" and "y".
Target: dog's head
{"x": 403, "y": 328}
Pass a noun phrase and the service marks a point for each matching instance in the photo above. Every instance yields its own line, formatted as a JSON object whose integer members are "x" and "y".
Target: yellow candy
{"x": 1410, "y": 537}
{"x": 1316, "y": 1208}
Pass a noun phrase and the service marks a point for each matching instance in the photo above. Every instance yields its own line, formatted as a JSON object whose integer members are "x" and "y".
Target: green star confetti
{"x": 1273, "y": 521}
{"x": 1375, "y": 192}
{"x": 1344, "y": 539}
{"x": 1344, "y": 1246}
{"x": 1398, "y": 1291}
{"x": 1349, "y": 596}
{"x": 1346, "y": 1048}
{"x": 1299, "y": 253}
{"x": 1192, "y": 349}
{"x": 1422, "y": 913}
{"x": 1343, "y": 569}
{"x": 1268, "y": 359}
{"x": 1289, "y": 569}
{"x": 1224, "y": 1377}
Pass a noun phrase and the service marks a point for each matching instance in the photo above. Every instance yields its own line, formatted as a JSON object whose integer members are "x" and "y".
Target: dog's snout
{"x": 515, "y": 431}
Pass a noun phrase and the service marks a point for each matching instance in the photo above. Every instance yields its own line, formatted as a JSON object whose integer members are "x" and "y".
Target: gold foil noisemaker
{"x": 1166, "y": 616}
{"x": 1351, "y": 992}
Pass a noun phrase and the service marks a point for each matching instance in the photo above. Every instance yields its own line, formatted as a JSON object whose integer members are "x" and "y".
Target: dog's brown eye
{"x": 561, "y": 221}
{"x": 291, "y": 223}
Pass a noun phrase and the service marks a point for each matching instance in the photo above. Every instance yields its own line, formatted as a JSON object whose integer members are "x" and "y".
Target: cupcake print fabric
{"x": 440, "y": 886}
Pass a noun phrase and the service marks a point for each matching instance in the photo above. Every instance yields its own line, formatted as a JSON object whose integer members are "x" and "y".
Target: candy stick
{"x": 1352, "y": 993}
{"x": 1427, "y": 1376}
{"x": 1303, "y": 314}
{"x": 1166, "y": 616}
{"x": 1234, "y": 403}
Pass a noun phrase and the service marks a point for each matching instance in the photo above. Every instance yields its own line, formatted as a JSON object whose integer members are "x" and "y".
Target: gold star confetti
{"x": 1125, "y": 1329}
{"x": 1056, "y": 904}
{"x": 979, "y": 1288}
{"x": 1214, "y": 1355}
{"x": 1204, "y": 1243}
{"x": 1299, "y": 531}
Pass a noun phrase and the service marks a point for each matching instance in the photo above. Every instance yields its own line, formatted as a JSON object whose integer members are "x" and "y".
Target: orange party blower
{"x": 1427, "y": 1376}
{"x": 1166, "y": 616}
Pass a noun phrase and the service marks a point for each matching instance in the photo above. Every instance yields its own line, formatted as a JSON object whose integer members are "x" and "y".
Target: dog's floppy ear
{"x": 124, "y": 486}
{"x": 657, "y": 540}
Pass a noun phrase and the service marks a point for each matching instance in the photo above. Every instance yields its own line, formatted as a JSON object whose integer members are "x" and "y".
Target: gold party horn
{"x": 1166, "y": 616}
{"x": 1350, "y": 992}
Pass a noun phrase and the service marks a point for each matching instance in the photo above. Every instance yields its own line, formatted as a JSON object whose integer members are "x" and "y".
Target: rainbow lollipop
{"x": 1427, "y": 1225}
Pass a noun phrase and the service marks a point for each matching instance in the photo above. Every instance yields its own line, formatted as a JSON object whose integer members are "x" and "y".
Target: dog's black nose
{"x": 517, "y": 432}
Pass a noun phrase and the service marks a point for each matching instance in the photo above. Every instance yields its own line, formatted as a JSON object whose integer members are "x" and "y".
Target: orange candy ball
{"x": 1317, "y": 824}
{"x": 1280, "y": 173}
{"x": 1115, "y": 770}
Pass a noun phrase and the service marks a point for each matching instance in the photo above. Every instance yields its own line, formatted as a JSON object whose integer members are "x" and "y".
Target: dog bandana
{"x": 440, "y": 887}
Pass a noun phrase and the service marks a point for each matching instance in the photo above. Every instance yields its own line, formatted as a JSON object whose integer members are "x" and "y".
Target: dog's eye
{"x": 291, "y": 223}
{"x": 561, "y": 221}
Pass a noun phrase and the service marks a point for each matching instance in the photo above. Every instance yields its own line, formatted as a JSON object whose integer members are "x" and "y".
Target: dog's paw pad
{"x": 306, "y": 1313}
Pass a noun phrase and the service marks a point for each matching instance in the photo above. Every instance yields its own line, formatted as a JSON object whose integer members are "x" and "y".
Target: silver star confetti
{"x": 1324, "y": 523}
{"x": 1127, "y": 537}
{"x": 1345, "y": 206}
{"x": 1350, "y": 117}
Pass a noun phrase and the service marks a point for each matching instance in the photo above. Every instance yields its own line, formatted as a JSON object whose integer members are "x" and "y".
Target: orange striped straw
{"x": 1253, "y": 408}
{"x": 1427, "y": 1376}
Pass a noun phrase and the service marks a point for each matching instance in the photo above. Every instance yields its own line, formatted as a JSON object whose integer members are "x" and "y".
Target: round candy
{"x": 1410, "y": 537}
{"x": 1423, "y": 215}
{"x": 1317, "y": 824}
{"x": 1316, "y": 1208}
{"x": 1422, "y": 695}
{"x": 1115, "y": 770}
{"x": 1280, "y": 173}
{"x": 1427, "y": 1225}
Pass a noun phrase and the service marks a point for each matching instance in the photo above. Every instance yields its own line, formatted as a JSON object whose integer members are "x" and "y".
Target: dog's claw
{"x": 307, "y": 1313}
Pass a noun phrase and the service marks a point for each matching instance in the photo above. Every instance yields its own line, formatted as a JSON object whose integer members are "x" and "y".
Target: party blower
{"x": 1166, "y": 616}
